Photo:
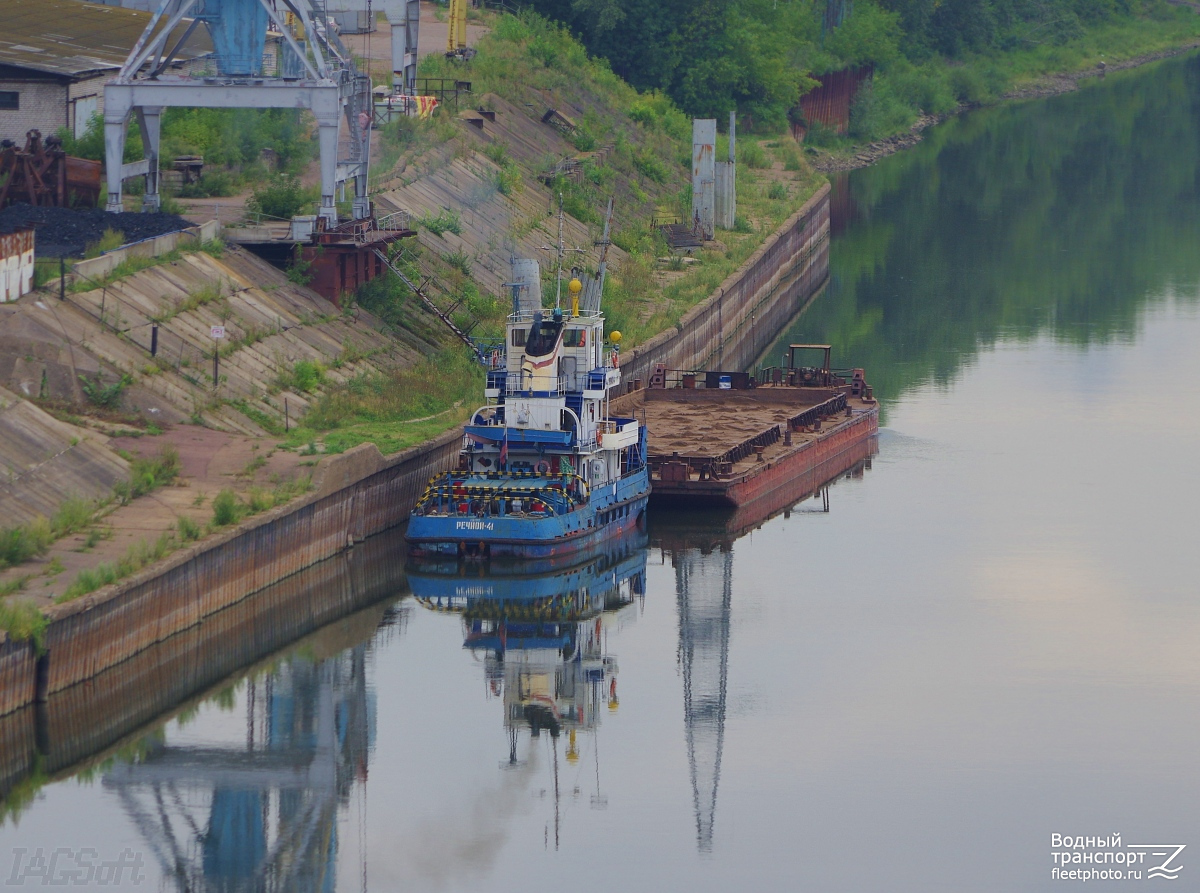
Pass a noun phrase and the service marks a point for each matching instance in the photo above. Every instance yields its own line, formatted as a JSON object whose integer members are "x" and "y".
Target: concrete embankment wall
{"x": 736, "y": 324}
{"x": 356, "y": 495}
{"x": 361, "y": 493}
{"x": 353, "y": 588}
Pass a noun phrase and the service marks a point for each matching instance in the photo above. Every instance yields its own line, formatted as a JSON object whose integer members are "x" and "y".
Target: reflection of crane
{"x": 261, "y": 814}
{"x": 703, "y": 590}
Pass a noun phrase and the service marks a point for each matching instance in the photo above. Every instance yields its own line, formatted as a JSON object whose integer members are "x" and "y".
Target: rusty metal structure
{"x": 829, "y": 102}
{"x": 43, "y": 174}
{"x": 736, "y": 440}
{"x": 704, "y": 177}
{"x": 348, "y": 255}
{"x": 16, "y": 264}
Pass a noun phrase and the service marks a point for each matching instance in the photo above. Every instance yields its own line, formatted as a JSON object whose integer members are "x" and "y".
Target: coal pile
{"x": 66, "y": 232}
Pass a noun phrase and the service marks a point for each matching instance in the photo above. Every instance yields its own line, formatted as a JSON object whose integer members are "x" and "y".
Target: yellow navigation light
{"x": 574, "y": 287}
{"x": 572, "y": 750}
{"x": 614, "y": 337}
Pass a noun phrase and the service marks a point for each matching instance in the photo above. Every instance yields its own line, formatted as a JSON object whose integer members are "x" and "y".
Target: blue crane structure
{"x": 314, "y": 72}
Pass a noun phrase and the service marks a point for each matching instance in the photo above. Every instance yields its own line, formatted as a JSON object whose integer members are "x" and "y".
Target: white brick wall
{"x": 43, "y": 105}
{"x": 86, "y": 93}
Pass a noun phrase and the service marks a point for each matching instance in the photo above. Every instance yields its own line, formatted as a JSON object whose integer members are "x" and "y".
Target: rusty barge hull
{"x": 759, "y": 450}
{"x": 786, "y": 480}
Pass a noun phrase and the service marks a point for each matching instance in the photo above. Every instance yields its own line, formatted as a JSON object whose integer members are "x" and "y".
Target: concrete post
{"x": 114, "y": 155}
{"x": 328, "y": 139}
{"x": 150, "y": 122}
{"x": 704, "y": 148}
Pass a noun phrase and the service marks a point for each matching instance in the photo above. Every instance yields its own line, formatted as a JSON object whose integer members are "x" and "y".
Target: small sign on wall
{"x": 217, "y": 331}
{"x": 16, "y": 264}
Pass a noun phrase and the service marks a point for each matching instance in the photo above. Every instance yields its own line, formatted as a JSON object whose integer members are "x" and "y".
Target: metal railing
{"x": 514, "y": 493}
{"x": 519, "y": 382}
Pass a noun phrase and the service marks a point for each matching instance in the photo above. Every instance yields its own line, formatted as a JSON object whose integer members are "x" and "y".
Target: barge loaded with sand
{"x": 729, "y": 439}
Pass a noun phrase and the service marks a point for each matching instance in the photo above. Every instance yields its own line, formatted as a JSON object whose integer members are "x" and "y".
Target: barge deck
{"x": 732, "y": 445}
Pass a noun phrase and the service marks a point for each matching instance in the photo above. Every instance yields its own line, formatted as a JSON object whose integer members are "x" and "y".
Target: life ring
{"x": 600, "y": 439}
{"x": 543, "y": 467}
{"x": 616, "y": 361}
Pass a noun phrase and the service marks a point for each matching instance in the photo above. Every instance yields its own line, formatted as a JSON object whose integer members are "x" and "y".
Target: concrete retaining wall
{"x": 356, "y": 495}
{"x": 737, "y": 323}
{"x": 99, "y": 267}
{"x": 353, "y": 588}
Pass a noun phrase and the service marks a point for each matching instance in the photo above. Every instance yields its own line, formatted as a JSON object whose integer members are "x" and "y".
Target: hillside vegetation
{"x": 759, "y": 56}
{"x": 482, "y": 189}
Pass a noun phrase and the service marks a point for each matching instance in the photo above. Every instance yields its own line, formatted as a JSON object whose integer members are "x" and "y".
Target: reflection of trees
{"x": 1062, "y": 216}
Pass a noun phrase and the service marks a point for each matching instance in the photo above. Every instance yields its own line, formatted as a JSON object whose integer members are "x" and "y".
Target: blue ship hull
{"x": 611, "y": 510}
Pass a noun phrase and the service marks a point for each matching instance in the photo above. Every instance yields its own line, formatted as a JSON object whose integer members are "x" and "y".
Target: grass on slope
{"x": 394, "y": 410}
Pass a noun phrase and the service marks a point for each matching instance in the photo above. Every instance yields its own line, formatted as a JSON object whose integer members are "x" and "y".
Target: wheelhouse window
{"x": 543, "y": 336}
{"x": 518, "y": 337}
{"x": 575, "y": 338}
{"x": 10, "y": 101}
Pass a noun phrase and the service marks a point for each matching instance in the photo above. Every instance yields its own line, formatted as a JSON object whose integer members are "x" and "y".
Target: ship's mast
{"x": 559, "y": 250}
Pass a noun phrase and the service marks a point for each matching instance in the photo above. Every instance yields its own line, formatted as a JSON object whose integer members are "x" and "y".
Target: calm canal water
{"x": 990, "y": 637}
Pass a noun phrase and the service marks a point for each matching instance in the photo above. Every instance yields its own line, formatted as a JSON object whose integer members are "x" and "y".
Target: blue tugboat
{"x": 545, "y": 470}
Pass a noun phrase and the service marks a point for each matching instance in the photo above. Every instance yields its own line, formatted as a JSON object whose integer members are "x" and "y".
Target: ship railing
{"x": 534, "y": 493}
{"x": 522, "y": 316}
{"x": 802, "y": 376}
{"x": 814, "y": 415}
{"x": 701, "y": 380}
{"x": 521, "y": 382}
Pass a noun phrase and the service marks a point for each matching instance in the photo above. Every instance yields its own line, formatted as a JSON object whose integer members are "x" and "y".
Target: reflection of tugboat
{"x": 545, "y": 470}
{"x": 542, "y": 639}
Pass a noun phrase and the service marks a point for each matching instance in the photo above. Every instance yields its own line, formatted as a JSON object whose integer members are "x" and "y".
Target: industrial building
{"x": 56, "y": 56}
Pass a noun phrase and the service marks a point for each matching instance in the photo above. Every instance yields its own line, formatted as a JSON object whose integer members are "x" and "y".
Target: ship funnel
{"x": 527, "y": 283}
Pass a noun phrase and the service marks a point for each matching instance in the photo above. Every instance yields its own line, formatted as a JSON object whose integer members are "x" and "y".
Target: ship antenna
{"x": 560, "y": 249}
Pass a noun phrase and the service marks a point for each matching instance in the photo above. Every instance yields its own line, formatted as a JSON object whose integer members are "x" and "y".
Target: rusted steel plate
{"x": 16, "y": 264}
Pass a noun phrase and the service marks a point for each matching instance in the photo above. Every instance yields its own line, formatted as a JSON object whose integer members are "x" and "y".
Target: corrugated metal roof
{"x": 70, "y": 37}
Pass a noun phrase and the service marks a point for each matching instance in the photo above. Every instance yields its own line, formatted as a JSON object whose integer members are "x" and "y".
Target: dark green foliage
{"x": 147, "y": 475}
{"x": 447, "y": 221}
{"x": 91, "y": 143}
{"x": 223, "y": 137}
{"x": 281, "y": 197}
{"x": 385, "y": 297}
{"x": 212, "y": 184}
{"x": 226, "y": 508}
{"x": 758, "y": 55}
{"x": 307, "y": 374}
{"x": 105, "y": 396}
{"x": 19, "y": 544}
{"x": 1066, "y": 177}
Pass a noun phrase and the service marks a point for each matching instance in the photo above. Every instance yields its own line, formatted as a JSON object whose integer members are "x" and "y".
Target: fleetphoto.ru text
{"x": 1085, "y": 858}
